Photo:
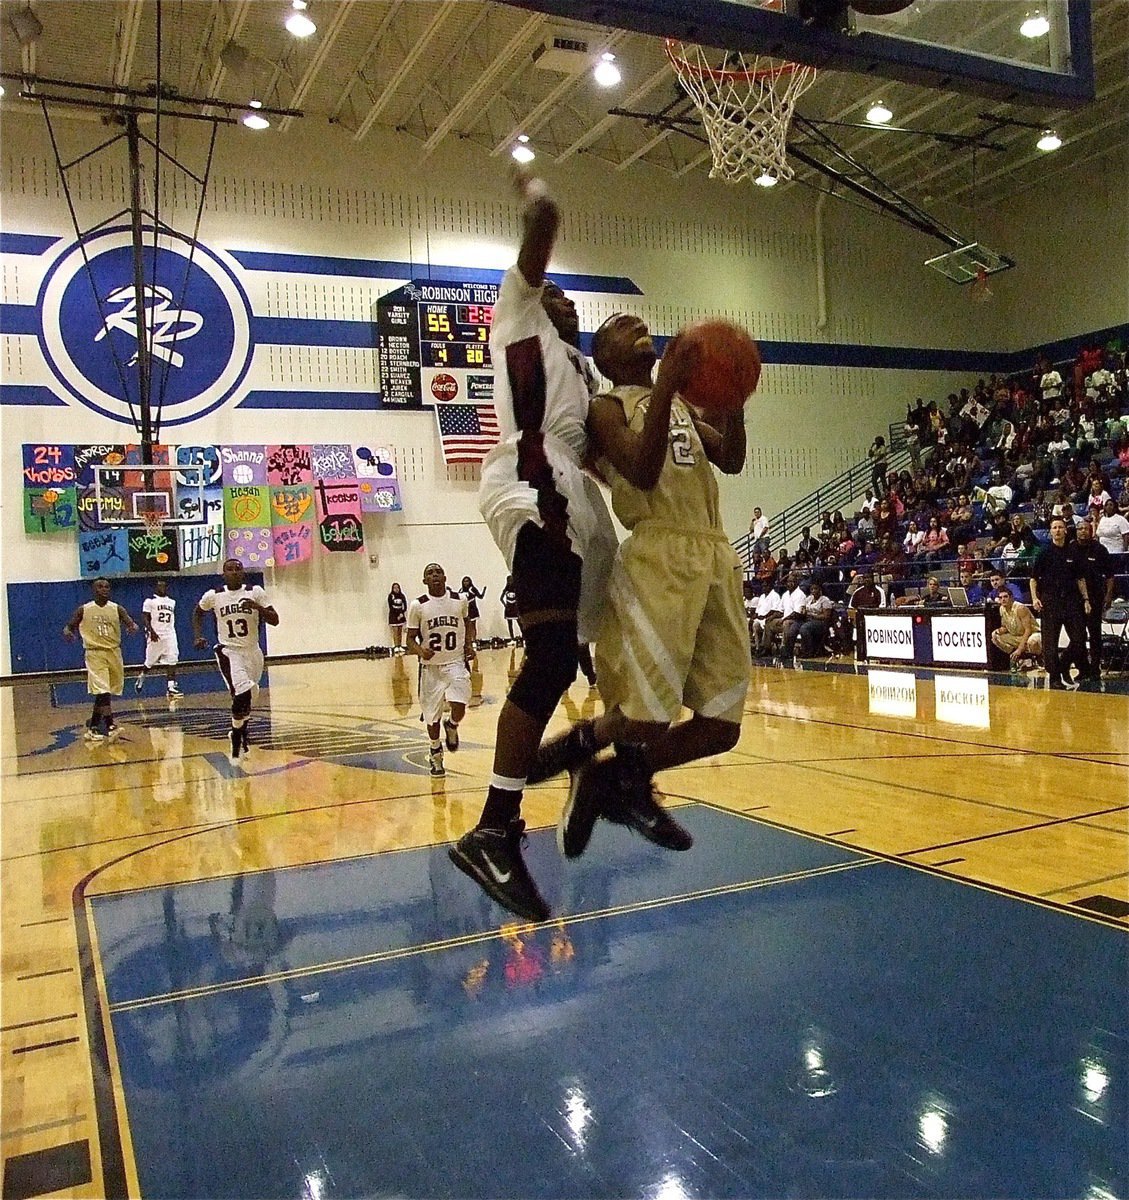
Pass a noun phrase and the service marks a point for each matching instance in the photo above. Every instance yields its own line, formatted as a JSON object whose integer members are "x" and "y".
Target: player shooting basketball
{"x": 675, "y": 634}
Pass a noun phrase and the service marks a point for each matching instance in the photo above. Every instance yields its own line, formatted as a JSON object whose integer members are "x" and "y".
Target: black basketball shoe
{"x": 563, "y": 753}
{"x": 633, "y": 804}
{"x": 593, "y": 786}
{"x": 492, "y": 858}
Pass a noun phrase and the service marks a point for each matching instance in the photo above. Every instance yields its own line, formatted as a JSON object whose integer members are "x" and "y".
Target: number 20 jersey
{"x": 235, "y": 628}
{"x": 439, "y": 620}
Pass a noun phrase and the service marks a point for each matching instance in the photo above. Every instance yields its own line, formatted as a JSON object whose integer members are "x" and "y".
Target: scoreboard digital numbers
{"x": 433, "y": 343}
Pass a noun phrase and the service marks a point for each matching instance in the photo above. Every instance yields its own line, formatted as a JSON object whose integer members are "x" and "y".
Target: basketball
{"x": 728, "y": 368}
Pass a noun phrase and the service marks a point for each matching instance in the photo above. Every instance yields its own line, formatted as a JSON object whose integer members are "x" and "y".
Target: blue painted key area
{"x": 765, "y": 1015}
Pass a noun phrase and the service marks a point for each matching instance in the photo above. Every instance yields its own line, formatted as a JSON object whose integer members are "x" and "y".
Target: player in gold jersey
{"x": 675, "y": 633}
{"x": 99, "y": 623}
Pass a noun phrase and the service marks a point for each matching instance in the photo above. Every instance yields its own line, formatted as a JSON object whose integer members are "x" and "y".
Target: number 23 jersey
{"x": 439, "y": 620}
{"x": 235, "y": 628}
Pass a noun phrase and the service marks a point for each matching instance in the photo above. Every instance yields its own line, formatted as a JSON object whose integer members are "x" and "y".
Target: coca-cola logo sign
{"x": 444, "y": 387}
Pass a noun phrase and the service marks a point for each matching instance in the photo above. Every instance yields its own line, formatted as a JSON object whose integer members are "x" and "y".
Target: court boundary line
{"x": 378, "y": 957}
{"x": 817, "y": 765}
{"x": 1064, "y": 908}
{"x": 931, "y": 737}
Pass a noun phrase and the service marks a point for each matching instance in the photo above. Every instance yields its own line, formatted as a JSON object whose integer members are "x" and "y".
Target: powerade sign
{"x": 889, "y": 637}
{"x": 960, "y": 640}
{"x": 195, "y": 311}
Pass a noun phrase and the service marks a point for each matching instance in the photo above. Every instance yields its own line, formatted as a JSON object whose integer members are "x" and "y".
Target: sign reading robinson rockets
{"x": 889, "y": 637}
{"x": 432, "y": 339}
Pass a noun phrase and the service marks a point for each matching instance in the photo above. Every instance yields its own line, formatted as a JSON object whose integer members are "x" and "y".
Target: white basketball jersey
{"x": 439, "y": 620}
{"x": 162, "y": 615}
{"x": 235, "y": 627}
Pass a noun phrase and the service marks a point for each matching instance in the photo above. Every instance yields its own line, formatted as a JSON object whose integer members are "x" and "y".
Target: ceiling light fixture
{"x": 522, "y": 152}
{"x": 879, "y": 114}
{"x": 766, "y": 179}
{"x": 298, "y": 23}
{"x": 606, "y": 73}
{"x": 254, "y": 119}
{"x": 1035, "y": 25}
{"x": 1049, "y": 141}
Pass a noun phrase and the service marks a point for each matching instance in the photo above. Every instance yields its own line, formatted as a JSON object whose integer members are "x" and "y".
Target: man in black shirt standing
{"x": 1097, "y": 570}
{"x": 1059, "y": 593}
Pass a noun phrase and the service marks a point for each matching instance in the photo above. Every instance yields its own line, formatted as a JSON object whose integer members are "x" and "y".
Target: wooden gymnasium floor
{"x": 894, "y": 962}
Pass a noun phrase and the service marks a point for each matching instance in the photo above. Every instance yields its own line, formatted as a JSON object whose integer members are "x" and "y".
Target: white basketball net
{"x": 746, "y": 108}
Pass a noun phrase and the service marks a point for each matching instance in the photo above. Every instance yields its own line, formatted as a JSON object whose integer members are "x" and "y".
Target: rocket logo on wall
{"x": 195, "y": 310}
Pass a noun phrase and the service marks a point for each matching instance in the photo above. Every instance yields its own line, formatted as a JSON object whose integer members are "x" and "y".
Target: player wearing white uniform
{"x": 438, "y": 630}
{"x": 158, "y": 619}
{"x": 553, "y": 528}
{"x": 238, "y": 610}
{"x": 99, "y": 624}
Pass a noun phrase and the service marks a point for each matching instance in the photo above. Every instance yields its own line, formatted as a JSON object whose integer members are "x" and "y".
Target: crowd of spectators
{"x": 989, "y": 469}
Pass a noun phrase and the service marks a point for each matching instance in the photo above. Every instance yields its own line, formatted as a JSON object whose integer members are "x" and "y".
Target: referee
{"x": 1060, "y": 595}
{"x": 1098, "y": 573}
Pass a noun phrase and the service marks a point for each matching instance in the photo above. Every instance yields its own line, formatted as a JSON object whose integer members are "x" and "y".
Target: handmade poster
{"x": 207, "y": 457}
{"x": 376, "y": 476}
{"x": 292, "y": 543}
{"x": 289, "y": 505}
{"x": 103, "y": 552}
{"x": 153, "y": 551}
{"x": 289, "y": 465}
{"x": 253, "y": 547}
{"x": 333, "y": 462}
{"x": 245, "y": 507}
{"x": 49, "y": 510}
{"x": 48, "y": 466}
{"x": 292, "y": 523}
{"x": 213, "y": 505}
{"x": 243, "y": 465}
{"x": 200, "y": 545}
{"x": 87, "y": 457}
{"x": 339, "y": 515}
{"x": 146, "y": 481}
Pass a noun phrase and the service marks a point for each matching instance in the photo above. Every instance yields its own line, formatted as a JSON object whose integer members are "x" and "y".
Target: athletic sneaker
{"x": 112, "y": 731}
{"x": 592, "y": 787}
{"x": 435, "y": 763}
{"x": 91, "y": 734}
{"x": 636, "y": 807}
{"x": 173, "y": 691}
{"x": 451, "y": 733}
{"x": 139, "y": 683}
{"x": 564, "y": 753}
{"x": 492, "y": 858}
{"x": 235, "y": 737}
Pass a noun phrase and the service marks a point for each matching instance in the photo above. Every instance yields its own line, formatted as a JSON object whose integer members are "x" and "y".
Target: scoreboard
{"x": 433, "y": 343}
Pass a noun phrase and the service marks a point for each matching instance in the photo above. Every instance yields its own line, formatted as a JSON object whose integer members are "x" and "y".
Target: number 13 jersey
{"x": 439, "y": 620}
{"x": 236, "y": 629}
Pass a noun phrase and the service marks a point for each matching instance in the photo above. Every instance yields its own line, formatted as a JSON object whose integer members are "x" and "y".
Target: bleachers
{"x": 1019, "y": 448}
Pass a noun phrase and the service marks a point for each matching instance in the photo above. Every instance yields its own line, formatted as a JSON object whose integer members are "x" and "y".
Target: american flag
{"x": 467, "y": 431}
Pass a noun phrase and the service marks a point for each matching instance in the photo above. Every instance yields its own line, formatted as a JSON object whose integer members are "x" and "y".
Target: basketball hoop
{"x": 153, "y": 520}
{"x": 979, "y": 291}
{"x": 746, "y": 108}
